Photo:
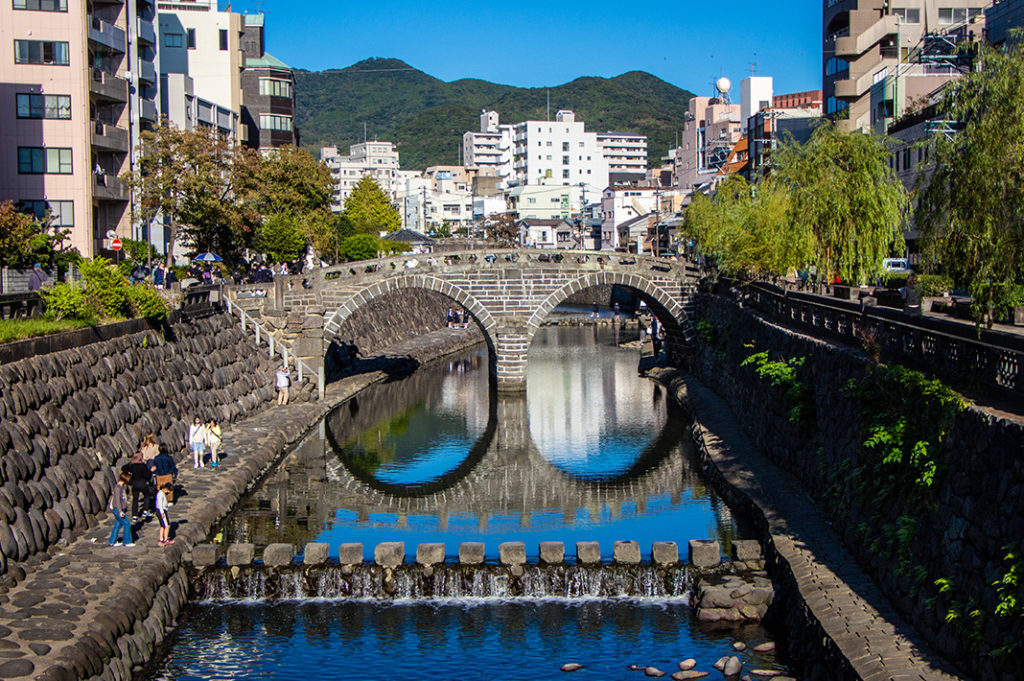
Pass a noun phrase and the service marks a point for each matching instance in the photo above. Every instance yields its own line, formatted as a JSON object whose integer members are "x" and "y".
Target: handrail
{"x": 276, "y": 347}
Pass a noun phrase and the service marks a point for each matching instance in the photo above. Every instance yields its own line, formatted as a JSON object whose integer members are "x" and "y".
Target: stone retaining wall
{"x": 69, "y": 418}
{"x": 979, "y": 504}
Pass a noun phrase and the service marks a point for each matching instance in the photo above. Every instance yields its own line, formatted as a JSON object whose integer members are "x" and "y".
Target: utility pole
{"x": 583, "y": 215}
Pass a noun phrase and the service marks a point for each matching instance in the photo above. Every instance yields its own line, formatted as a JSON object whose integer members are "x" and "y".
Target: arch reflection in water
{"x": 509, "y": 468}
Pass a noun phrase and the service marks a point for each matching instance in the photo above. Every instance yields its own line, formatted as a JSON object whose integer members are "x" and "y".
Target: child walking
{"x": 197, "y": 442}
{"x": 161, "y": 514}
{"x": 118, "y": 505}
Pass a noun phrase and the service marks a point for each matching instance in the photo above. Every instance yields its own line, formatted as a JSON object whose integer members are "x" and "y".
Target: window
{"x": 41, "y": 52}
{"x": 908, "y": 15}
{"x": 191, "y": 32}
{"x": 172, "y": 40}
{"x": 565, "y": 174}
{"x": 272, "y": 87}
{"x": 62, "y": 213}
{"x": 223, "y": 40}
{"x": 836, "y": 65}
{"x": 44, "y": 106}
{"x": 42, "y": 5}
{"x": 957, "y": 15}
{"x": 565, "y": 146}
{"x": 41, "y": 160}
{"x": 565, "y": 160}
{"x": 273, "y": 122}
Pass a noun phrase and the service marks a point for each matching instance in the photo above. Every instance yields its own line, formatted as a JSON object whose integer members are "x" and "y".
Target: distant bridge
{"x": 509, "y": 293}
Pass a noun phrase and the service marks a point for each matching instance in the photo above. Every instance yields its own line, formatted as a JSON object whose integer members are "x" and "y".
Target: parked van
{"x": 896, "y": 265}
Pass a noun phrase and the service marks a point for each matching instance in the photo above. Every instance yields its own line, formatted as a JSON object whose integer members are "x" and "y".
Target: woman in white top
{"x": 213, "y": 438}
{"x": 197, "y": 442}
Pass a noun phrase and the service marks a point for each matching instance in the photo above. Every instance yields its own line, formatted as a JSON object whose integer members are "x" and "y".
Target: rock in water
{"x": 687, "y": 665}
{"x": 739, "y": 646}
{"x": 720, "y": 665}
{"x": 733, "y": 666}
{"x": 571, "y": 667}
{"x": 654, "y": 672}
{"x": 766, "y": 673}
{"x": 689, "y": 675}
{"x": 764, "y": 647}
{"x": 635, "y": 668}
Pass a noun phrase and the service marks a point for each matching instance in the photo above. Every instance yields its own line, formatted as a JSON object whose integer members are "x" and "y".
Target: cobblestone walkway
{"x": 90, "y": 611}
{"x": 850, "y": 607}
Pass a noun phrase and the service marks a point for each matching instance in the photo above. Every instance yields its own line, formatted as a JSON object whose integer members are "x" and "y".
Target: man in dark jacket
{"x": 165, "y": 471}
{"x": 37, "y": 279}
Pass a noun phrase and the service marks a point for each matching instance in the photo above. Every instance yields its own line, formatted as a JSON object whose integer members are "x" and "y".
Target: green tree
{"x": 969, "y": 208}
{"x": 843, "y": 192}
{"x": 17, "y": 231}
{"x": 359, "y": 247}
{"x": 280, "y": 237}
{"x": 370, "y": 210}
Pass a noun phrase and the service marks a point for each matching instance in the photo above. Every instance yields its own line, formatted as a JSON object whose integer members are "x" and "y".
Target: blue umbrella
{"x": 208, "y": 257}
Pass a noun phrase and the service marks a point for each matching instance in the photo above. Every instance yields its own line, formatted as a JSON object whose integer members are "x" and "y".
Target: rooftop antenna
{"x": 753, "y": 66}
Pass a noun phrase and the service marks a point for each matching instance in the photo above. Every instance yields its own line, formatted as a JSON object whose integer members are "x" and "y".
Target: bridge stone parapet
{"x": 508, "y": 293}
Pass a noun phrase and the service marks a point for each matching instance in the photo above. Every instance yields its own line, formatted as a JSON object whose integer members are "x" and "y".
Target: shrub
{"x": 931, "y": 284}
{"x": 106, "y": 289}
{"x": 359, "y": 247}
{"x": 66, "y": 301}
{"x": 146, "y": 302}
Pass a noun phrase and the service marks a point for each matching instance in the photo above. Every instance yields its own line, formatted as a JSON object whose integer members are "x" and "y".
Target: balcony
{"x": 854, "y": 46}
{"x": 147, "y": 34}
{"x": 147, "y": 72}
{"x": 148, "y": 110}
{"x": 108, "y": 86}
{"x": 109, "y": 137}
{"x": 108, "y": 35}
{"x": 108, "y": 188}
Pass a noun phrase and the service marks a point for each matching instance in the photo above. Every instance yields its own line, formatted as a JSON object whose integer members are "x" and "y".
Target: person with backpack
{"x": 164, "y": 469}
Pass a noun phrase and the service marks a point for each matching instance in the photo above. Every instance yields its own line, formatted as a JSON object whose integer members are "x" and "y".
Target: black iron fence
{"x": 970, "y": 357}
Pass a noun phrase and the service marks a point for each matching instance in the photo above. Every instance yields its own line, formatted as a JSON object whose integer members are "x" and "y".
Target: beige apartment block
{"x": 713, "y": 126}
{"x": 863, "y": 41}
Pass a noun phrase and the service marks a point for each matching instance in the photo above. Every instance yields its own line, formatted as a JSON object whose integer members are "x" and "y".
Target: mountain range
{"x": 425, "y": 117}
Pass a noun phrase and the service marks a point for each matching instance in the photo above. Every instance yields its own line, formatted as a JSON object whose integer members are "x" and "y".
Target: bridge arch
{"x": 483, "y": 318}
{"x": 662, "y": 304}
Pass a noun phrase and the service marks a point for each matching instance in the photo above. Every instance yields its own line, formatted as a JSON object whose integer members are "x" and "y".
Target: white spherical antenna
{"x": 723, "y": 85}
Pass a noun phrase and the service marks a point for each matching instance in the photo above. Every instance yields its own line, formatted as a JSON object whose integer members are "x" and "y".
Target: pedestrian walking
{"x": 594, "y": 313}
{"x": 283, "y": 379}
{"x": 197, "y": 442}
{"x": 165, "y": 469}
{"x": 140, "y": 475}
{"x": 213, "y": 438}
{"x": 118, "y": 505}
{"x": 37, "y": 279}
{"x": 162, "y": 503}
{"x": 616, "y": 312}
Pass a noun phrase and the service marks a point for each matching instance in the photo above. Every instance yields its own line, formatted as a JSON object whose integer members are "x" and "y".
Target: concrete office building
{"x": 863, "y": 40}
{"x": 713, "y": 126}
{"x": 201, "y": 65}
{"x": 378, "y": 160}
{"x": 489, "y": 151}
{"x": 77, "y": 85}
{"x": 268, "y": 89}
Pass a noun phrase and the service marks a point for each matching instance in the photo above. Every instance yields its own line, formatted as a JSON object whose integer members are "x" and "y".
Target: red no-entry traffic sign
{"x": 115, "y": 244}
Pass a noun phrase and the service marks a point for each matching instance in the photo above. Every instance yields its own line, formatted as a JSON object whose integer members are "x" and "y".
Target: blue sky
{"x": 530, "y": 43}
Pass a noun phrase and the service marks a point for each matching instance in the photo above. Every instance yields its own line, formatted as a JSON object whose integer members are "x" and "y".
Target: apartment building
{"x": 378, "y": 160}
{"x": 489, "y": 151}
{"x": 713, "y": 126}
{"x": 201, "y": 65}
{"x": 268, "y": 90}
{"x": 622, "y": 204}
{"x": 626, "y": 154}
{"x": 77, "y": 85}
{"x": 865, "y": 40}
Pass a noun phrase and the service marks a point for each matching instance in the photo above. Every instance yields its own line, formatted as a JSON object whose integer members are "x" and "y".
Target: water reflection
{"x": 591, "y": 452}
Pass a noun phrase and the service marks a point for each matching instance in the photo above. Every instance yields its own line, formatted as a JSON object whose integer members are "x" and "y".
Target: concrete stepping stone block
{"x": 512, "y": 553}
{"x": 746, "y": 550}
{"x": 627, "y": 552}
{"x": 205, "y": 555}
{"x": 588, "y": 552}
{"x": 429, "y": 554}
{"x": 552, "y": 552}
{"x": 316, "y": 553}
{"x": 278, "y": 555}
{"x": 241, "y": 554}
{"x": 665, "y": 553}
{"x": 471, "y": 553}
{"x": 705, "y": 553}
{"x": 350, "y": 554}
{"x": 389, "y": 554}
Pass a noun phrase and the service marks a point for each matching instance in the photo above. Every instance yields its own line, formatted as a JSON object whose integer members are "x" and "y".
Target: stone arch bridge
{"x": 508, "y": 293}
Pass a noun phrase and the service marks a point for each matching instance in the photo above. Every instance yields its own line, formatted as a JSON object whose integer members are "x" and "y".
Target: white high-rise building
{"x": 554, "y": 152}
{"x": 378, "y": 160}
{"x": 755, "y": 94}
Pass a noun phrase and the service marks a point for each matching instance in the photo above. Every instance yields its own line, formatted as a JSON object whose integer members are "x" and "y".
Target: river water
{"x": 592, "y": 452}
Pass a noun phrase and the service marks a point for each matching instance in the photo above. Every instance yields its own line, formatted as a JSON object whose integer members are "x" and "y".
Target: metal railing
{"x": 20, "y": 305}
{"x": 983, "y": 358}
{"x": 276, "y": 347}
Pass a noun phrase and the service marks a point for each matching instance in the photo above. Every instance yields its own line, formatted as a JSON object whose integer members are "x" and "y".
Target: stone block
{"x": 205, "y": 555}
{"x": 665, "y": 553}
{"x": 626, "y": 552}
{"x": 588, "y": 552}
{"x": 308, "y": 347}
{"x": 312, "y": 322}
{"x": 512, "y": 553}
{"x": 278, "y": 555}
{"x": 389, "y": 554}
{"x": 471, "y": 553}
{"x": 746, "y": 550}
{"x": 316, "y": 553}
{"x": 350, "y": 554}
{"x": 241, "y": 554}
{"x": 705, "y": 553}
{"x": 552, "y": 552}
{"x": 429, "y": 554}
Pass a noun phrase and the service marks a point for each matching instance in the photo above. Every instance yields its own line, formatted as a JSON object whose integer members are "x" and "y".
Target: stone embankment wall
{"x": 69, "y": 418}
{"x": 962, "y": 536}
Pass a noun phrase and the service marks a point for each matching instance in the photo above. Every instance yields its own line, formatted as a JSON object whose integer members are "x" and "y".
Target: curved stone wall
{"x": 69, "y": 418}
